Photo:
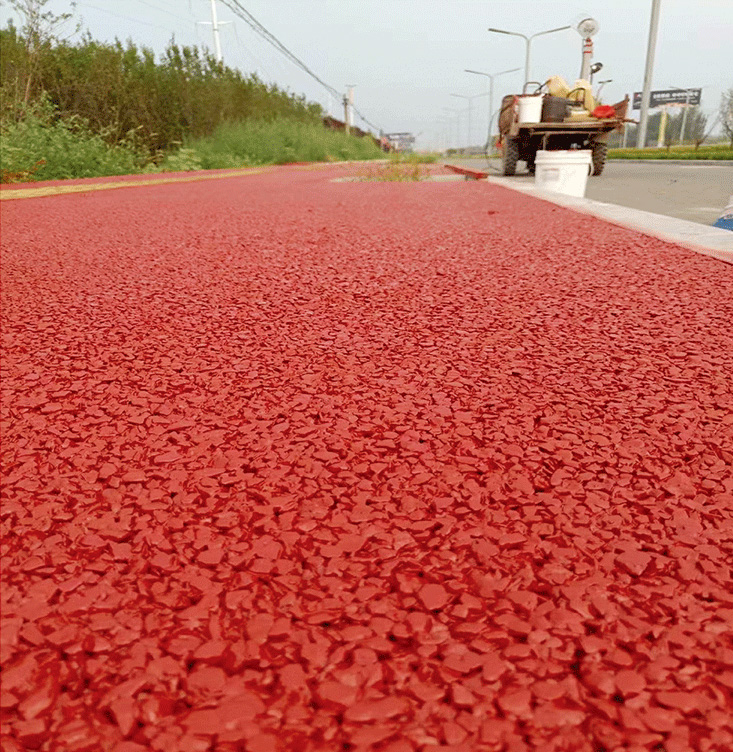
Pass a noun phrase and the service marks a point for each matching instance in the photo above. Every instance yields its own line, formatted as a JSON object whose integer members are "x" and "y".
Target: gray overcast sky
{"x": 406, "y": 57}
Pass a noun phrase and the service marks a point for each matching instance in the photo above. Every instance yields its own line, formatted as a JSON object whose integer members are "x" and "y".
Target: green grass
{"x": 421, "y": 157}
{"x": 44, "y": 147}
{"x": 260, "y": 142}
{"x": 401, "y": 168}
{"x": 714, "y": 151}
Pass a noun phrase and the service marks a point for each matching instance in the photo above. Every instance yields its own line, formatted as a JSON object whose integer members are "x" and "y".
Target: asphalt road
{"x": 696, "y": 192}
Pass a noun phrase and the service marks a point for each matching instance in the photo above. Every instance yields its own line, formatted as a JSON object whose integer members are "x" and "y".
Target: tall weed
{"x": 42, "y": 146}
{"x": 257, "y": 142}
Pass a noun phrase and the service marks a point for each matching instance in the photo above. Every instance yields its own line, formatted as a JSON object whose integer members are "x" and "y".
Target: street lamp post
{"x": 465, "y": 96}
{"x": 491, "y": 77}
{"x": 528, "y": 41}
{"x": 457, "y": 115}
{"x": 601, "y": 84}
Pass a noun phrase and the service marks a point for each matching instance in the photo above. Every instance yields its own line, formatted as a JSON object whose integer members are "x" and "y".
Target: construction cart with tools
{"x": 556, "y": 117}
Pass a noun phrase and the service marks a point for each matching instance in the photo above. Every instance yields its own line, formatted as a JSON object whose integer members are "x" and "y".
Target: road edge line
{"x": 16, "y": 194}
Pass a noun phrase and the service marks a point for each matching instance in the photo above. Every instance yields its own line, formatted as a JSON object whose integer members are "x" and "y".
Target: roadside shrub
{"x": 42, "y": 146}
{"x": 258, "y": 142}
{"x": 114, "y": 88}
{"x": 712, "y": 151}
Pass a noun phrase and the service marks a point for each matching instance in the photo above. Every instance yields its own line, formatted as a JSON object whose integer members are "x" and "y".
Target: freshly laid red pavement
{"x": 294, "y": 464}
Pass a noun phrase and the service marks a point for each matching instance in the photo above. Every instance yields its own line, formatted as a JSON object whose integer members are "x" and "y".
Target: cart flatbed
{"x": 521, "y": 141}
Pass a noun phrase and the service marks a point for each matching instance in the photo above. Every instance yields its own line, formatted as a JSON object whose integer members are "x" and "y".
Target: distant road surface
{"x": 697, "y": 192}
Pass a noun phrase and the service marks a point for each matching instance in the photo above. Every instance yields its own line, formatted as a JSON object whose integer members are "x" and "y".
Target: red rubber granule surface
{"x": 293, "y": 464}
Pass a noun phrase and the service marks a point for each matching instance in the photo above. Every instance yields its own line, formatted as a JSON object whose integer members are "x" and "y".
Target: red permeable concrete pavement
{"x": 293, "y": 464}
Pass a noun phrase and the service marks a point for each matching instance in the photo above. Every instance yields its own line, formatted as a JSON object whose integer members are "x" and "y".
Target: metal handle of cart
{"x": 537, "y": 90}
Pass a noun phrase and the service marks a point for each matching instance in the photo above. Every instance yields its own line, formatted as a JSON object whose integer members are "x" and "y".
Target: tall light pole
{"x": 468, "y": 134}
{"x": 601, "y": 84}
{"x": 648, "y": 72}
{"x": 491, "y": 77}
{"x": 444, "y": 133}
{"x": 528, "y": 41}
{"x": 587, "y": 28}
{"x": 457, "y": 115}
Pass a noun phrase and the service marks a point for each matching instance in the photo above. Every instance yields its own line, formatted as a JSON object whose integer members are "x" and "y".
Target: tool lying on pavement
{"x": 725, "y": 221}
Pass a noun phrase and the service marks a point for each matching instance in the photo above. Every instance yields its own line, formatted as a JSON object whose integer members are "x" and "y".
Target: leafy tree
{"x": 40, "y": 30}
{"x": 695, "y": 124}
{"x": 726, "y": 114}
{"x": 118, "y": 88}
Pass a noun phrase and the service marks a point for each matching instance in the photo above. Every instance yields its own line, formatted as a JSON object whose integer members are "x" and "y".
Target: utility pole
{"x": 215, "y": 26}
{"x": 215, "y": 29}
{"x": 648, "y": 72}
{"x": 348, "y": 105}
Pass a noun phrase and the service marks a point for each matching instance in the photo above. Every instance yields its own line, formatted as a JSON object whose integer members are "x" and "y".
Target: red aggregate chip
{"x": 295, "y": 464}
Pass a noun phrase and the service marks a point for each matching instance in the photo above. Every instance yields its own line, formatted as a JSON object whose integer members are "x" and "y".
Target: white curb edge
{"x": 711, "y": 241}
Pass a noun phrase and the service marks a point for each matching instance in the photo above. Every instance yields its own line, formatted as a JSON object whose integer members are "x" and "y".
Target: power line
{"x": 161, "y": 10}
{"x": 119, "y": 15}
{"x": 236, "y": 7}
{"x": 241, "y": 12}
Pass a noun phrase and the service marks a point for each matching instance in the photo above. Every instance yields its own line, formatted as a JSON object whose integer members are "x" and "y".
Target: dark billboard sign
{"x": 669, "y": 96}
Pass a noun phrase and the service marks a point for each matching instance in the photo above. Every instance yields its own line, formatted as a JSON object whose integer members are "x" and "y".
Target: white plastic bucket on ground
{"x": 530, "y": 108}
{"x": 563, "y": 171}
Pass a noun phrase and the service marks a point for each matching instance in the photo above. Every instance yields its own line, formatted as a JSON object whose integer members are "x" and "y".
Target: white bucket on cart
{"x": 530, "y": 108}
{"x": 563, "y": 171}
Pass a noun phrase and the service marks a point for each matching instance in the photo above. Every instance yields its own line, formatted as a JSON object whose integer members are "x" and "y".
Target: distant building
{"x": 404, "y": 142}
{"x": 338, "y": 125}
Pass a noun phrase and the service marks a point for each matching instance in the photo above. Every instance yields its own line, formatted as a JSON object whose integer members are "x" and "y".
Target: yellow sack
{"x": 582, "y": 93}
{"x": 557, "y": 86}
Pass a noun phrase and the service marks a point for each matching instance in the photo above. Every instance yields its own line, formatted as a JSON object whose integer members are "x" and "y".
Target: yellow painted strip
{"x": 9, "y": 194}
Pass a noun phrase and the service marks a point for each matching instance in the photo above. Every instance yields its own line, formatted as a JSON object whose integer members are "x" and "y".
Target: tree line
{"x": 120, "y": 89}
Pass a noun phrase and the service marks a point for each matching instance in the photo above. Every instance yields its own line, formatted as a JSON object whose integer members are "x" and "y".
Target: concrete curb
{"x": 711, "y": 241}
{"x": 468, "y": 173}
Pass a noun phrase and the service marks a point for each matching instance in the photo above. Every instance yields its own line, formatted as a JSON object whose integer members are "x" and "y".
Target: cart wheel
{"x": 510, "y": 156}
{"x": 599, "y": 154}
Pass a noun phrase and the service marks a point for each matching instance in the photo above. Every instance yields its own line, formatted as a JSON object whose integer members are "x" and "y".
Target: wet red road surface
{"x": 293, "y": 464}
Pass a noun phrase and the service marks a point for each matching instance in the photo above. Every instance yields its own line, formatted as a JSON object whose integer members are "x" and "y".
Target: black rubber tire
{"x": 509, "y": 156}
{"x": 599, "y": 154}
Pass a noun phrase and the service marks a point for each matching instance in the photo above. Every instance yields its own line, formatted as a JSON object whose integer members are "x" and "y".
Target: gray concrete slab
{"x": 691, "y": 191}
{"x": 711, "y": 241}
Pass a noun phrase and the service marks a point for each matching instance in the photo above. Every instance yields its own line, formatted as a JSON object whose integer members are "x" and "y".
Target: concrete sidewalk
{"x": 709, "y": 240}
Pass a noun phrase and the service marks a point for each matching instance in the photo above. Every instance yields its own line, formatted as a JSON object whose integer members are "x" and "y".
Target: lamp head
{"x": 587, "y": 27}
